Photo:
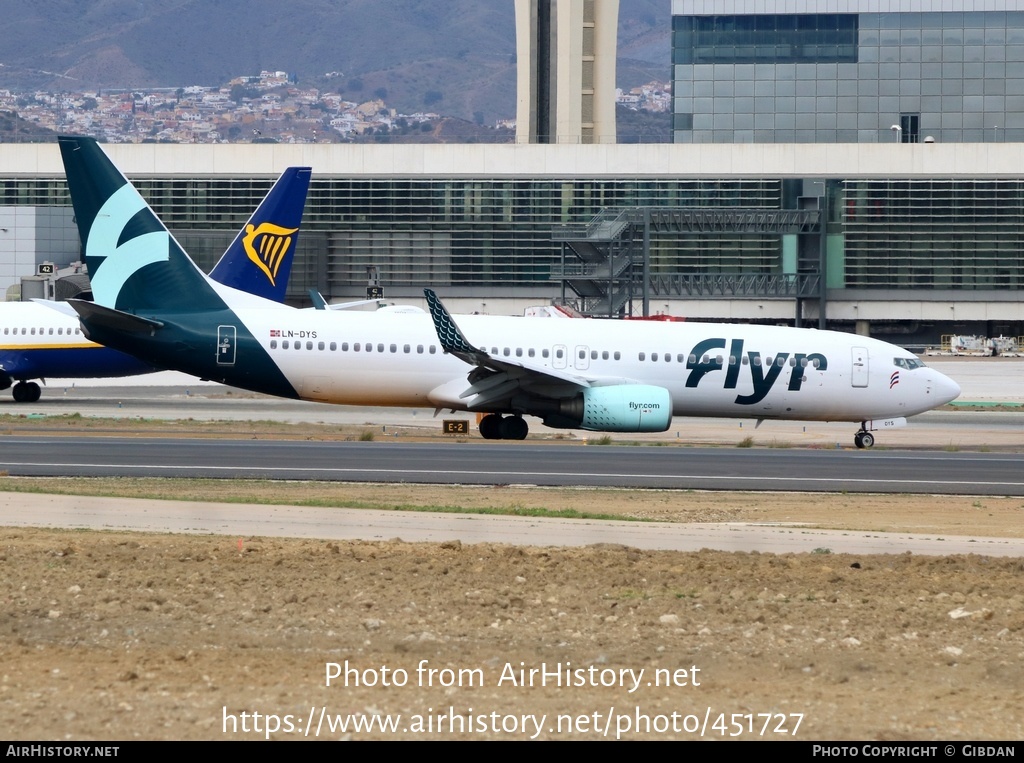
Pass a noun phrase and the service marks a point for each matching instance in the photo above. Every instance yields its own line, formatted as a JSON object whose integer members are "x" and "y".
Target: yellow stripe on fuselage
{"x": 61, "y": 346}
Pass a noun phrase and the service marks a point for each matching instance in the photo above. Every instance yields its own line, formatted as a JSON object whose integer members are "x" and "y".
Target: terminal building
{"x": 816, "y": 179}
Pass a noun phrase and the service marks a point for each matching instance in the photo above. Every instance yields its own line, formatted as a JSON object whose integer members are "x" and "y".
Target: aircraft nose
{"x": 946, "y": 389}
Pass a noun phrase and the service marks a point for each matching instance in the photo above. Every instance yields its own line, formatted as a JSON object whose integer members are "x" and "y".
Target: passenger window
{"x": 309, "y": 345}
{"x": 530, "y": 352}
{"x": 519, "y": 352}
{"x": 419, "y": 349}
{"x": 320, "y": 346}
{"x": 432, "y": 349}
{"x": 757, "y": 360}
{"x": 544, "y": 353}
{"x": 654, "y": 356}
{"x": 355, "y": 347}
{"x": 394, "y": 348}
{"x": 559, "y": 353}
{"x": 407, "y": 349}
{"x": 273, "y": 344}
{"x": 643, "y": 356}
{"x": 618, "y": 355}
{"x": 380, "y": 348}
{"x": 285, "y": 345}
{"x": 604, "y": 355}
{"x": 817, "y": 363}
{"x": 334, "y": 346}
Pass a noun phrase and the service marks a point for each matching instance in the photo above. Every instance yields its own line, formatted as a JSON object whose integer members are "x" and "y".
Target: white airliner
{"x": 609, "y": 376}
{"x": 43, "y": 340}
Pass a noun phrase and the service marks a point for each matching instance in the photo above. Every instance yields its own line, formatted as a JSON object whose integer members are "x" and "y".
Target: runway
{"x": 478, "y": 462}
{"x": 812, "y": 457}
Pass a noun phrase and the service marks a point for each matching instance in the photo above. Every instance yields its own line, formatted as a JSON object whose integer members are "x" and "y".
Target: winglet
{"x": 448, "y": 333}
{"x": 318, "y": 299}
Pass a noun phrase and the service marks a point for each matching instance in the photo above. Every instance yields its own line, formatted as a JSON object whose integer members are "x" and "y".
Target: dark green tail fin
{"x": 134, "y": 263}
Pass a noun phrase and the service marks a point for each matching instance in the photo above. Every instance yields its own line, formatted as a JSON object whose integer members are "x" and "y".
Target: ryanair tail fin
{"x": 259, "y": 260}
{"x": 135, "y": 265}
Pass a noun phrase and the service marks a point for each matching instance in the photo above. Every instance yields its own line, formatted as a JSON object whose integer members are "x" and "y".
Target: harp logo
{"x": 266, "y": 245}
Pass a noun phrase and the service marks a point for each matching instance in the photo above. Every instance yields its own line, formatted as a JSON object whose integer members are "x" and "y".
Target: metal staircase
{"x": 603, "y": 262}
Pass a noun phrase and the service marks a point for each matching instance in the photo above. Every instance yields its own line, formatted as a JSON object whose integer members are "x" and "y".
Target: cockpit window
{"x": 908, "y": 363}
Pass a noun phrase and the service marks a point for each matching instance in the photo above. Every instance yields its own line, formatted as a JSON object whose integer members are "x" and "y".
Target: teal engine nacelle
{"x": 619, "y": 408}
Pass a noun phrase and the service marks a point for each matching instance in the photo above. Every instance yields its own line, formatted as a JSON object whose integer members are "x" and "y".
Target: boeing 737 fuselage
{"x": 610, "y": 376}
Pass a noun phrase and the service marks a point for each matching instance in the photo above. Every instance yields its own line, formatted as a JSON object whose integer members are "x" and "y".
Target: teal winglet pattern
{"x": 451, "y": 338}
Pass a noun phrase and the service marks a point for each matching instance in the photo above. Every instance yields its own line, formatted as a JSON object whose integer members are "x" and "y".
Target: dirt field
{"x": 109, "y": 636}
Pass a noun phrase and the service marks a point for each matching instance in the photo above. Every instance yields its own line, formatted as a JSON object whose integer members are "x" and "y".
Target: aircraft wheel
{"x": 26, "y": 392}
{"x": 863, "y": 440}
{"x": 514, "y": 428}
{"x": 22, "y": 393}
{"x": 490, "y": 426}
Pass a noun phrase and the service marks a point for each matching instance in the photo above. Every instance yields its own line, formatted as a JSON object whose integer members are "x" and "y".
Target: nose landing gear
{"x": 863, "y": 439}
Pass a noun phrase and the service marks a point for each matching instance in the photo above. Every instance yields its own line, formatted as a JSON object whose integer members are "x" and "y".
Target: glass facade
{"x": 955, "y": 76}
{"x": 496, "y": 234}
{"x": 933, "y": 234}
{"x": 416, "y": 232}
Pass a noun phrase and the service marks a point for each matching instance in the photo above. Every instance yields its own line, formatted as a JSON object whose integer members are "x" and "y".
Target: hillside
{"x": 455, "y": 57}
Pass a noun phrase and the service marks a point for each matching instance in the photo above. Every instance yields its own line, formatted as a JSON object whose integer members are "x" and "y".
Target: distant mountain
{"x": 455, "y": 57}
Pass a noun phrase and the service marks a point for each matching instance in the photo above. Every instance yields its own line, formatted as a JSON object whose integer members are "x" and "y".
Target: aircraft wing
{"x": 494, "y": 380}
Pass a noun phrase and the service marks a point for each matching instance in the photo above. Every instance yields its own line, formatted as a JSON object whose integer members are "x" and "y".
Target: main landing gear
{"x": 26, "y": 392}
{"x": 863, "y": 439}
{"x": 494, "y": 426}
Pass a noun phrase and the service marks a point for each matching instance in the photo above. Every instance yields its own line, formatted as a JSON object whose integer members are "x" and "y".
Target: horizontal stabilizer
{"x": 61, "y": 307}
{"x": 107, "y": 317}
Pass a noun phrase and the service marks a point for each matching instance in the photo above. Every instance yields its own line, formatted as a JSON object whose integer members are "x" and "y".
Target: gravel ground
{"x": 116, "y": 636}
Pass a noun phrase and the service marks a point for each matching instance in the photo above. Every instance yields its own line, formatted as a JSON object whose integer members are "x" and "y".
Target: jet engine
{"x": 618, "y": 408}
